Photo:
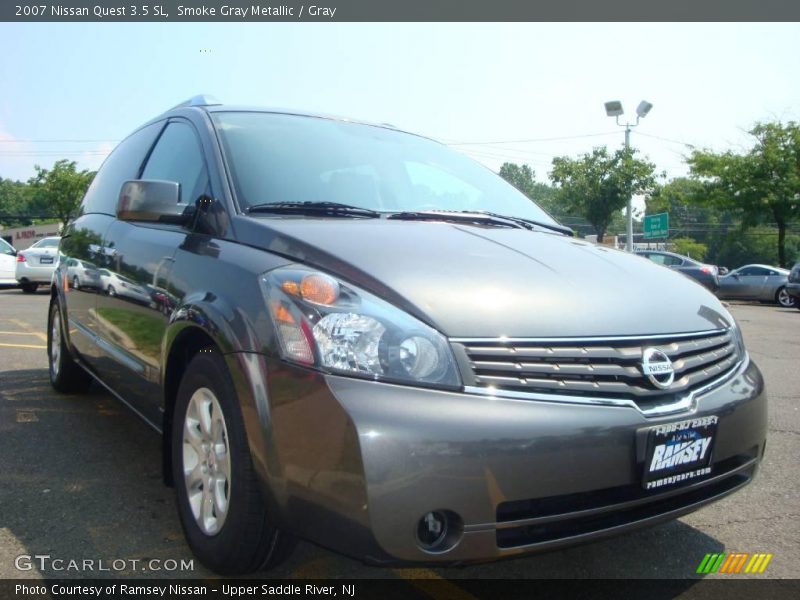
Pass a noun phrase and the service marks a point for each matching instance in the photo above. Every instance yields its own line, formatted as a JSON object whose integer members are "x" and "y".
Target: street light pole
{"x": 614, "y": 109}
{"x": 629, "y": 215}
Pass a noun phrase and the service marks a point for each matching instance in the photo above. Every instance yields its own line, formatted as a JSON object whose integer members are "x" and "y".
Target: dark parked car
{"x": 706, "y": 275}
{"x": 756, "y": 282}
{"x": 793, "y": 284}
{"x": 369, "y": 341}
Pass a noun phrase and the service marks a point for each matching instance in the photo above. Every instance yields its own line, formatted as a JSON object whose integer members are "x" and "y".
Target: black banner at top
{"x": 396, "y": 10}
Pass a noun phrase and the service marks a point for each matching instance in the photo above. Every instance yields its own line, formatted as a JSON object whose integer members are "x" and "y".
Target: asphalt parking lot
{"x": 81, "y": 480}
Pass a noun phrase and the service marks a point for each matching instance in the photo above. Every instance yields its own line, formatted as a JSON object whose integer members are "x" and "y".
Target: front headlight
{"x": 333, "y": 326}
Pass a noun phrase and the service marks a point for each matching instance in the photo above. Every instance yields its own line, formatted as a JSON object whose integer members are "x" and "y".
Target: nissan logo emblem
{"x": 657, "y": 367}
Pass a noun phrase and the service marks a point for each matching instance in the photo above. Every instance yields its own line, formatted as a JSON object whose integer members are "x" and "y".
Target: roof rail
{"x": 199, "y": 100}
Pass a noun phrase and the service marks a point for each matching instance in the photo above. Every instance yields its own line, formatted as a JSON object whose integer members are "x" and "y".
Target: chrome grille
{"x": 599, "y": 367}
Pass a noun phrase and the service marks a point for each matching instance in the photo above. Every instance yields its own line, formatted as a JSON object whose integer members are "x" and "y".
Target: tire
{"x": 29, "y": 288}
{"x": 783, "y": 298}
{"x": 76, "y": 284}
{"x": 234, "y": 534}
{"x": 111, "y": 291}
{"x": 66, "y": 375}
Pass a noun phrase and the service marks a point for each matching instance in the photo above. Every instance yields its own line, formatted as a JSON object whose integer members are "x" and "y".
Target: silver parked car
{"x": 756, "y": 282}
{"x": 35, "y": 265}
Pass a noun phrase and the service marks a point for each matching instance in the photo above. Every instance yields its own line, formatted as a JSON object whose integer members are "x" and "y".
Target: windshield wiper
{"x": 330, "y": 209}
{"x": 477, "y": 216}
{"x": 530, "y": 222}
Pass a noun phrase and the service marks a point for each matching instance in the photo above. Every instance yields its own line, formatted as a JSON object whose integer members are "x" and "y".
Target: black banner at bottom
{"x": 396, "y": 589}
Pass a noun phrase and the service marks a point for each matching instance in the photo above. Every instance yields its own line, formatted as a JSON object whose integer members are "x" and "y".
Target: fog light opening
{"x": 439, "y": 530}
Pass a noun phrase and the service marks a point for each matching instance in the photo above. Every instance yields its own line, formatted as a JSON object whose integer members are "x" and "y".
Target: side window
{"x": 753, "y": 271}
{"x": 178, "y": 157}
{"x": 673, "y": 261}
{"x": 122, "y": 164}
{"x": 656, "y": 258}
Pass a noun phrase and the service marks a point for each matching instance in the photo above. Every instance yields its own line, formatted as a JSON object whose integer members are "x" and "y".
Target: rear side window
{"x": 178, "y": 157}
{"x": 672, "y": 261}
{"x": 6, "y": 248}
{"x": 757, "y": 271}
{"x": 123, "y": 164}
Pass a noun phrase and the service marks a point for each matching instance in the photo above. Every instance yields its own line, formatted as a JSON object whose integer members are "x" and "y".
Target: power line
{"x": 663, "y": 139}
{"x": 15, "y": 141}
{"x": 532, "y": 140}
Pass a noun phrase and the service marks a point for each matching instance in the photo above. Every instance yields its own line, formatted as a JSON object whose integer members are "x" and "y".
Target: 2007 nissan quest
{"x": 353, "y": 335}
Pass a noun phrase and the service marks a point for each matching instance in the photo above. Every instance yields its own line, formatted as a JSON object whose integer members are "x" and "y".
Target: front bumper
{"x": 793, "y": 289}
{"x": 354, "y": 464}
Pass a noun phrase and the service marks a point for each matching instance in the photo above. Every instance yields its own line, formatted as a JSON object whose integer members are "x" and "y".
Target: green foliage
{"x": 60, "y": 189}
{"x": 14, "y": 202}
{"x": 689, "y": 247}
{"x": 597, "y": 185}
{"x": 761, "y": 185}
{"x": 756, "y": 245}
{"x": 522, "y": 177}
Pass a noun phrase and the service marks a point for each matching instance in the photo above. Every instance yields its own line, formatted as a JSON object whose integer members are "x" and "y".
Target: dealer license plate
{"x": 678, "y": 452}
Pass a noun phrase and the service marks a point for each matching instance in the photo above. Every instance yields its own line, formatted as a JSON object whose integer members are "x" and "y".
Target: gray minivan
{"x": 354, "y": 335}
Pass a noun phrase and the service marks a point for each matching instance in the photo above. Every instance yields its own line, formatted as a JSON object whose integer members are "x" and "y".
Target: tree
{"x": 597, "y": 185}
{"x": 59, "y": 191}
{"x": 763, "y": 184}
{"x": 690, "y": 247}
{"x": 522, "y": 177}
{"x": 14, "y": 203}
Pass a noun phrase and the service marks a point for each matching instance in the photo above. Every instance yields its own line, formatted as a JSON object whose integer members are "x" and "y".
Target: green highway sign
{"x": 656, "y": 226}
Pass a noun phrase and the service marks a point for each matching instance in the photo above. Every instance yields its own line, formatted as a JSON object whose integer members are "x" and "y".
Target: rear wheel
{"x": 785, "y": 299}
{"x": 65, "y": 374}
{"x": 111, "y": 291}
{"x": 29, "y": 288}
{"x": 76, "y": 284}
{"x": 221, "y": 507}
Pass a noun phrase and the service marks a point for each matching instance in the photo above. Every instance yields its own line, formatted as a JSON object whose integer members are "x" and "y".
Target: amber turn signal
{"x": 319, "y": 289}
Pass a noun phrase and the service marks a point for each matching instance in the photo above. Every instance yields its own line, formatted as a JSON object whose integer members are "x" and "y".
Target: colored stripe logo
{"x": 734, "y": 563}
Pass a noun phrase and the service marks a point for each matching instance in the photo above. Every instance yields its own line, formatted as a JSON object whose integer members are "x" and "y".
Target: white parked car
{"x": 82, "y": 274}
{"x": 8, "y": 264}
{"x": 115, "y": 284}
{"x": 35, "y": 265}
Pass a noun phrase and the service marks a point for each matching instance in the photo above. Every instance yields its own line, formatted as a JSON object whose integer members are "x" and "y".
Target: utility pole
{"x": 614, "y": 109}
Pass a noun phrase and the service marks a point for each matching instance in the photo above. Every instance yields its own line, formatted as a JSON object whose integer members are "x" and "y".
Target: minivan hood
{"x": 486, "y": 282}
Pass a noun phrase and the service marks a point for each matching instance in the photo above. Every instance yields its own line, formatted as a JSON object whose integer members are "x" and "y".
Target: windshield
{"x": 47, "y": 243}
{"x": 288, "y": 158}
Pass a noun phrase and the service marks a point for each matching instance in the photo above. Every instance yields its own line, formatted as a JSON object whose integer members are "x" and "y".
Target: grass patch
{"x": 145, "y": 331}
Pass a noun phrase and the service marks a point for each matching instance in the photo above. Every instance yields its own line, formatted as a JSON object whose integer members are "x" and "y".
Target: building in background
{"x": 24, "y": 237}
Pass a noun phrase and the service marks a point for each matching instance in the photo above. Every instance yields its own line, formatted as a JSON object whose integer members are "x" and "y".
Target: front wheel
{"x": 220, "y": 504}
{"x": 785, "y": 299}
{"x": 65, "y": 374}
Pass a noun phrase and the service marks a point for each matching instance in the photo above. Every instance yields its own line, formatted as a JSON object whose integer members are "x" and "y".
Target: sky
{"x": 522, "y": 92}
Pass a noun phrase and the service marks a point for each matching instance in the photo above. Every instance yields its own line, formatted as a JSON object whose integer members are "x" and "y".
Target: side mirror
{"x": 723, "y": 270}
{"x": 735, "y": 275}
{"x": 153, "y": 201}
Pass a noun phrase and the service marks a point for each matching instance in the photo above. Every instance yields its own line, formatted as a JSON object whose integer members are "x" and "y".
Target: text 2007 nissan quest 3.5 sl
{"x": 353, "y": 335}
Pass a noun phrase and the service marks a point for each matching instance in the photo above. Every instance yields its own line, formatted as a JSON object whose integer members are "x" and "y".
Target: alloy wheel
{"x": 206, "y": 461}
{"x": 784, "y": 299}
{"x": 55, "y": 343}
